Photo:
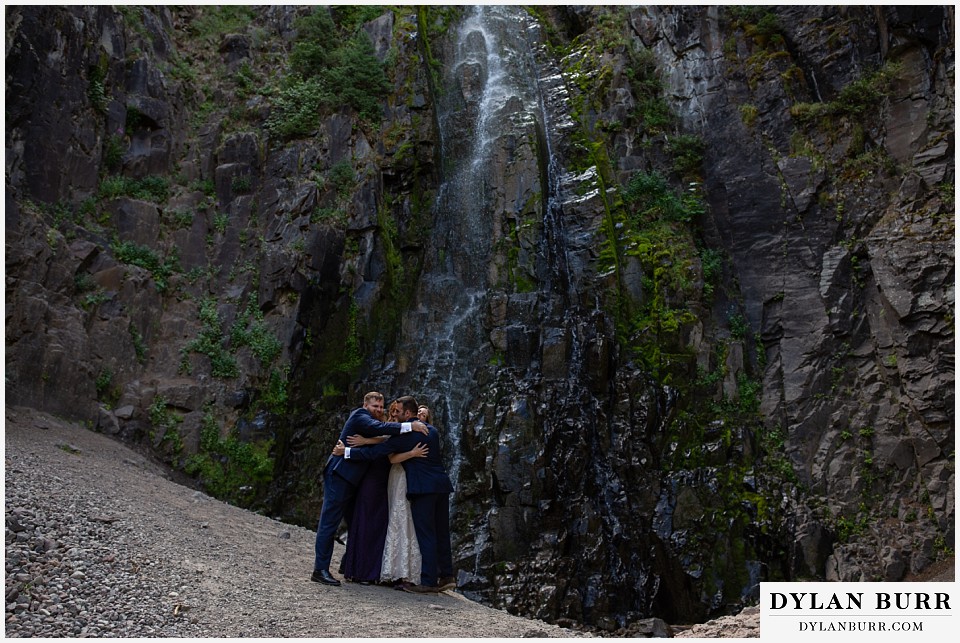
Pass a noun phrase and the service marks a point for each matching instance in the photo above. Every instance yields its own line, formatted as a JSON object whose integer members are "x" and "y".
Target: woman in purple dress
{"x": 368, "y": 529}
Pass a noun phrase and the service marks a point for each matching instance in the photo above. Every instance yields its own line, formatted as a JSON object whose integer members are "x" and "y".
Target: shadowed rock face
{"x": 865, "y": 403}
{"x": 475, "y": 249}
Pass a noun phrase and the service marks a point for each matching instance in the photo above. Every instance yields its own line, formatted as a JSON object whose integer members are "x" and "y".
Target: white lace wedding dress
{"x": 401, "y": 553}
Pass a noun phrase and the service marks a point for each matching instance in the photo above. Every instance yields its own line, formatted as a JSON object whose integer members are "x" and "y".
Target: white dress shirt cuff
{"x": 406, "y": 427}
{"x": 346, "y": 453}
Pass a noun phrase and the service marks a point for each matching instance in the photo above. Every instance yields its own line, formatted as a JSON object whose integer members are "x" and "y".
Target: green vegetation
{"x": 161, "y": 269}
{"x": 397, "y": 283}
{"x": 312, "y": 52}
{"x": 330, "y": 66}
{"x": 757, "y": 23}
{"x": 357, "y": 78}
{"x": 328, "y": 215}
{"x": 135, "y": 119}
{"x": 106, "y": 391}
{"x": 97, "y": 87}
{"x": 207, "y": 186}
{"x": 83, "y": 283}
{"x": 180, "y": 219}
{"x": 246, "y": 80}
{"x": 230, "y": 469}
{"x": 165, "y": 421}
{"x": 213, "y": 22}
{"x": 651, "y": 198}
{"x": 711, "y": 264}
{"x": 241, "y": 183}
{"x": 296, "y": 108}
{"x": 848, "y": 527}
{"x": 749, "y": 114}
{"x": 947, "y": 192}
{"x": 210, "y": 342}
{"x": 738, "y": 324}
{"x": 652, "y": 110}
{"x": 687, "y": 151}
{"x": 342, "y": 177}
{"x": 352, "y": 356}
{"x": 94, "y": 299}
{"x": 149, "y": 188}
{"x": 276, "y": 394}
{"x": 113, "y": 149}
{"x": 857, "y": 99}
{"x": 182, "y": 70}
{"x": 139, "y": 346}
{"x": 432, "y": 23}
{"x": 132, "y": 17}
{"x": 220, "y": 221}
{"x": 250, "y": 330}
{"x": 350, "y": 18}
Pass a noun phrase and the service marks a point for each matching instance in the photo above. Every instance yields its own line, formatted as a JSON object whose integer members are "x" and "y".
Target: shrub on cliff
{"x": 329, "y": 69}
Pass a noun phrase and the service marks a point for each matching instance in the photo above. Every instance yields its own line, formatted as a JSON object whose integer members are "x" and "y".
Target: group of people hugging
{"x": 385, "y": 477}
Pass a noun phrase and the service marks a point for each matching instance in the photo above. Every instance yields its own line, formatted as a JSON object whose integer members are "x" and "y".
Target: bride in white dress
{"x": 401, "y": 552}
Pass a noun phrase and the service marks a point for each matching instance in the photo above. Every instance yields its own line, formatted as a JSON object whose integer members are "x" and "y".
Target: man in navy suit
{"x": 428, "y": 489}
{"x": 341, "y": 477}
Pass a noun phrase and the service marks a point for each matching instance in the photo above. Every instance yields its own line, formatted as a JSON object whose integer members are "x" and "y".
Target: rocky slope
{"x": 685, "y": 274}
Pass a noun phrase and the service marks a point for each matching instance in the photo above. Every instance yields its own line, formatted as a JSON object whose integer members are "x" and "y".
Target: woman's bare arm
{"x": 419, "y": 451}
{"x": 360, "y": 441}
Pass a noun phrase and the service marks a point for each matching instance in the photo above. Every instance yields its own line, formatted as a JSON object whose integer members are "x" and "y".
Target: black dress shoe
{"x": 421, "y": 589}
{"x": 324, "y": 576}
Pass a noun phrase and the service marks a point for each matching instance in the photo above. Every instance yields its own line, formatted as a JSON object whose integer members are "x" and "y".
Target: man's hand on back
{"x": 417, "y": 425}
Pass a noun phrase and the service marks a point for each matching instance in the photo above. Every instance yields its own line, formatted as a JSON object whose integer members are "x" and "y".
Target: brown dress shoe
{"x": 447, "y": 582}
{"x": 421, "y": 589}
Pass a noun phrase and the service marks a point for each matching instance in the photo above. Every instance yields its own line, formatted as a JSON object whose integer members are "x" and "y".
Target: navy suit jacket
{"x": 362, "y": 423}
{"x": 424, "y": 475}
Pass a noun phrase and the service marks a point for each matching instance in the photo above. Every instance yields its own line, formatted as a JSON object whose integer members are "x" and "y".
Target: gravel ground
{"x": 100, "y": 543}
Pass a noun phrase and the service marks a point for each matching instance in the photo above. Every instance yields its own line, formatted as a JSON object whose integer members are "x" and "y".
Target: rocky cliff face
{"x": 838, "y": 226}
{"x": 677, "y": 282}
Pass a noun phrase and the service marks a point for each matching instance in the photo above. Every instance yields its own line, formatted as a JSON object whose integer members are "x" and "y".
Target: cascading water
{"x": 488, "y": 97}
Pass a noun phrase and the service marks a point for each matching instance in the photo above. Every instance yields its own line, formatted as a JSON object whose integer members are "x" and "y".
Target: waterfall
{"x": 489, "y": 99}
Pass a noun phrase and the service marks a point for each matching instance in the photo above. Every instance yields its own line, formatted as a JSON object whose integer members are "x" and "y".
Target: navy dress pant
{"x": 431, "y": 520}
{"x": 338, "y": 496}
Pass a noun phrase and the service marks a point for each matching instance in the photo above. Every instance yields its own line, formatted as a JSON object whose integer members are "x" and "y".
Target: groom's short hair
{"x": 409, "y": 404}
{"x": 372, "y": 395}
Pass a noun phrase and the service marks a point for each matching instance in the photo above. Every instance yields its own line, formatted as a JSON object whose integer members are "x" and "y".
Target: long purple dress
{"x": 368, "y": 527}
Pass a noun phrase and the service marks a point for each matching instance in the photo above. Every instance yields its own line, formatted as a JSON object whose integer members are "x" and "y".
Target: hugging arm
{"x": 366, "y": 426}
{"x": 357, "y": 441}
{"x": 396, "y": 444}
{"x": 419, "y": 451}
{"x": 367, "y": 454}
{"x": 361, "y": 441}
